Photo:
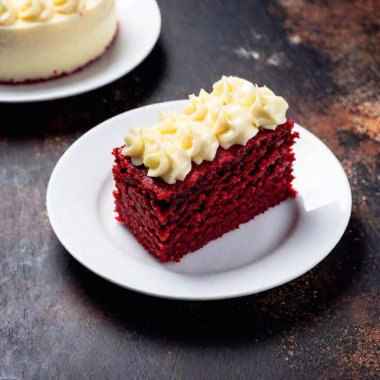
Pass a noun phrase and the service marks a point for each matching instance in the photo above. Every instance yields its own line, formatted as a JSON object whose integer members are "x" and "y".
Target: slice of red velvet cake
{"x": 229, "y": 180}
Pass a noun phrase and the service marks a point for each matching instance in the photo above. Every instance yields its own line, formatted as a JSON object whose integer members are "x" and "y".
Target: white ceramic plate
{"x": 274, "y": 248}
{"x": 139, "y": 28}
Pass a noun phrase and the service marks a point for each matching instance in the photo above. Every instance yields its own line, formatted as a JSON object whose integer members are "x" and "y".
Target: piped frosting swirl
{"x": 69, "y": 6}
{"x": 8, "y": 12}
{"x": 231, "y": 114}
{"x": 37, "y": 10}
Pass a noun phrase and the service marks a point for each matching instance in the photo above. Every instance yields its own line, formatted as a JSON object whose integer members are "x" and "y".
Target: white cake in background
{"x": 43, "y": 39}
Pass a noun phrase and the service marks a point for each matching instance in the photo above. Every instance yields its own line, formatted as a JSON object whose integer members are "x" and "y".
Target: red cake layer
{"x": 215, "y": 197}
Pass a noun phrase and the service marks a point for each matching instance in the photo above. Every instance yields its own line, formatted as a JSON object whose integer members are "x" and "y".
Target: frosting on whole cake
{"x": 231, "y": 114}
{"x": 44, "y": 39}
{"x": 12, "y": 11}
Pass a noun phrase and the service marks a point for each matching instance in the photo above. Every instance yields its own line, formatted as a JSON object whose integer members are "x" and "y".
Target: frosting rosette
{"x": 8, "y": 12}
{"x": 231, "y": 114}
{"x": 36, "y": 10}
{"x": 69, "y": 6}
{"x": 168, "y": 148}
{"x": 168, "y": 161}
{"x": 230, "y": 122}
{"x": 195, "y": 138}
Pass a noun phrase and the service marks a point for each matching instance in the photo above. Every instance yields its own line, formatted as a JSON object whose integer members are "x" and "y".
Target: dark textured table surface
{"x": 58, "y": 320}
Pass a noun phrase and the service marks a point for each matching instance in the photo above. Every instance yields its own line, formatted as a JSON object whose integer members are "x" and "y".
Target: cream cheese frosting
{"x": 43, "y": 39}
{"x": 231, "y": 114}
{"x": 36, "y": 10}
{"x": 12, "y": 11}
{"x": 69, "y": 6}
{"x": 8, "y": 12}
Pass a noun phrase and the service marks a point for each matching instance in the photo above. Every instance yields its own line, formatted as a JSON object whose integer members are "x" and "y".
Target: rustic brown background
{"x": 58, "y": 320}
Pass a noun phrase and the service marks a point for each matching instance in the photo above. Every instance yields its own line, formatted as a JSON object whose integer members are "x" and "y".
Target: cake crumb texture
{"x": 217, "y": 196}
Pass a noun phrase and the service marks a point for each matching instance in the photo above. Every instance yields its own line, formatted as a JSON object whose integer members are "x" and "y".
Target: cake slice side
{"x": 216, "y": 197}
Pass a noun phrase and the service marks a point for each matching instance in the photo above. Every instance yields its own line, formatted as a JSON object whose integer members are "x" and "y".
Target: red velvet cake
{"x": 216, "y": 196}
{"x": 46, "y": 39}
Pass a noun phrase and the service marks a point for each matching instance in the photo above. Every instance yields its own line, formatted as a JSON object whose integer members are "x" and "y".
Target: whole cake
{"x": 43, "y": 39}
{"x": 200, "y": 173}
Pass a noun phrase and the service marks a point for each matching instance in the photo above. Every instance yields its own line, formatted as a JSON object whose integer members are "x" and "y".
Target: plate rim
{"x": 92, "y": 85}
{"x": 159, "y": 294}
